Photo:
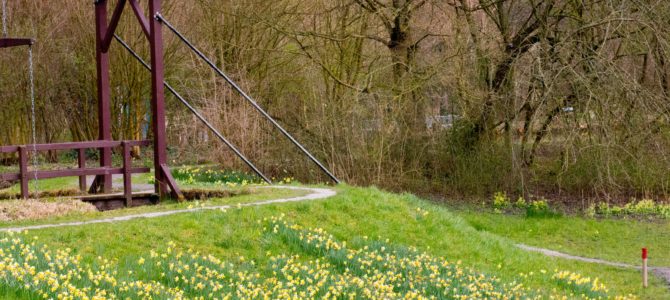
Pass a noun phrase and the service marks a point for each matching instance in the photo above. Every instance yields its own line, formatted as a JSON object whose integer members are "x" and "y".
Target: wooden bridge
{"x": 82, "y": 171}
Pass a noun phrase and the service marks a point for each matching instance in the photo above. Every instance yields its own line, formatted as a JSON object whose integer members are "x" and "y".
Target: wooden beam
{"x": 10, "y": 176}
{"x": 83, "y": 172}
{"x": 9, "y": 149}
{"x": 30, "y": 175}
{"x": 12, "y": 42}
{"x": 75, "y": 146}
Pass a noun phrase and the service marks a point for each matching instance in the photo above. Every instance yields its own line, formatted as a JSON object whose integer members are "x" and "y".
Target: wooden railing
{"x": 24, "y": 175}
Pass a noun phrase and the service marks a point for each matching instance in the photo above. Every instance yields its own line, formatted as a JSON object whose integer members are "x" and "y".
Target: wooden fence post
{"x": 23, "y": 166}
{"x": 82, "y": 165}
{"x": 127, "y": 175}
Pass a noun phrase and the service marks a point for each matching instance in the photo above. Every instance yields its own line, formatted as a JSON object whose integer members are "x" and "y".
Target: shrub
{"x": 520, "y": 203}
{"x": 500, "y": 201}
{"x": 646, "y": 207}
{"x": 534, "y": 208}
{"x": 539, "y": 208}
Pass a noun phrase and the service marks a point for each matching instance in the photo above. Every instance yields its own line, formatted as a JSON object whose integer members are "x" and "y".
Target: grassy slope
{"x": 247, "y": 194}
{"x": 615, "y": 240}
{"x": 354, "y": 213}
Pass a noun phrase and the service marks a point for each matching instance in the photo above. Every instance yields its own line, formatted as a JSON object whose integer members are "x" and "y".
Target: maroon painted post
{"x": 111, "y": 26}
{"x": 104, "y": 111}
{"x": 81, "y": 157}
{"x": 23, "y": 167}
{"x": 127, "y": 174}
{"x": 157, "y": 97}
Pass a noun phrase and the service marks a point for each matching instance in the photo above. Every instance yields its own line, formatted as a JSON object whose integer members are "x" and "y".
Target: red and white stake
{"x": 644, "y": 267}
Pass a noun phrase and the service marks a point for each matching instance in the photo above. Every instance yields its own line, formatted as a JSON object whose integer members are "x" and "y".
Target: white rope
{"x": 4, "y": 18}
{"x": 32, "y": 110}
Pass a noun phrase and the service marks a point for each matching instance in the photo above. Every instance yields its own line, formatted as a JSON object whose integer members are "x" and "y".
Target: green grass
{"x": 191, "y": 174}
{"x": 187, "y": 177}
{"x": 246, "y": 194}
{"x": 352, "y": 215}
{"x": 51, "y": 184}
{"x": 618, "y": 240}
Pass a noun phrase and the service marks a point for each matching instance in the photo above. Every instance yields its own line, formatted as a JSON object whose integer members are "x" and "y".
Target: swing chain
{"x": 33, "y": 115}
{"x": 4, "y": 18}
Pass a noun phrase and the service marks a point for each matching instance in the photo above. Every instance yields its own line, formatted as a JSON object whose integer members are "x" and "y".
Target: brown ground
{"x": 15, "y": 210}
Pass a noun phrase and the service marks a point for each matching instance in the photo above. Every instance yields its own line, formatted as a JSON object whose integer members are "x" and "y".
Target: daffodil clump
{"x": 380, "y": 271}
{"x": 192, "y": 175}
{"x": 581, "y": 285}
{"x": 61, "y": 275}
{"x": 322, "y": 268}
{"x": 644, "y": 208}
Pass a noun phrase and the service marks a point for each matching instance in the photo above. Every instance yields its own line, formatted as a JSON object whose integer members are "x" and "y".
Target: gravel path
{"x": 662, "y": 272}
{"x": 315, "y": 194}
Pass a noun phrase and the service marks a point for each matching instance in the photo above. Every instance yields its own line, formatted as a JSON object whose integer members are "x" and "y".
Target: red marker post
{"x": 644, "y": 267}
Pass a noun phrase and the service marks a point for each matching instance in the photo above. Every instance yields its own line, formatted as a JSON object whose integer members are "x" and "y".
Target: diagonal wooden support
{"x": 140, "y": 17}
{"x": 113, "y": 23}
{"x": 174, "y": 188}
{"x": 95, "y": 185}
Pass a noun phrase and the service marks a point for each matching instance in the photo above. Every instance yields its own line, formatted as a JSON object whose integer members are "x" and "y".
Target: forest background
{"x": 567, "y": 99}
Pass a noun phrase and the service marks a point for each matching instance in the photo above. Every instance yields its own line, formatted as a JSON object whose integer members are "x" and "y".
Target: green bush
{"x": 500, "y": 201}
{"x": 535, "y": 208}
{"x": 520, "y": 202}
{"x": 539, "y": 208}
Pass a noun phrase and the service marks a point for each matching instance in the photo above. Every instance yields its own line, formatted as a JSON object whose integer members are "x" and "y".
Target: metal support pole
{"x": 158, "y": 97}
{"x": 160, "y": 18}
{"x": 104, "y": 111}
{"x": 197, "y": 114}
